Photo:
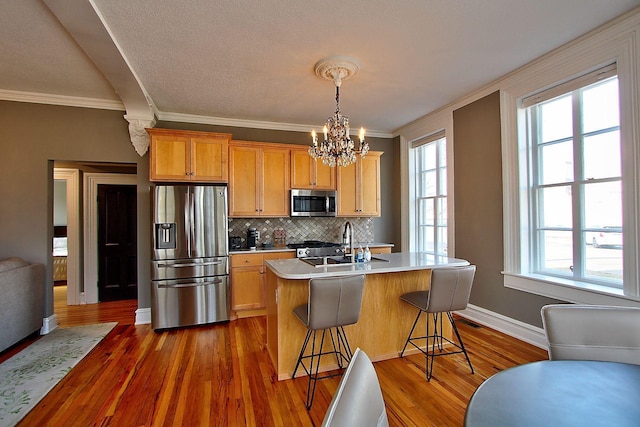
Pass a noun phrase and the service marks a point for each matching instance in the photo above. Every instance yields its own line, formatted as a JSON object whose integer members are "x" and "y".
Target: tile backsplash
{"x": 300, "y": 229}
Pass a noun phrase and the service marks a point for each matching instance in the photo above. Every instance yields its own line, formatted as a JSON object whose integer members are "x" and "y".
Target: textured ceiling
{"x": 253, "y": 60}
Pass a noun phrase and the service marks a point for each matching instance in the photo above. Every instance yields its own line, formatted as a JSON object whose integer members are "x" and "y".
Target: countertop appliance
{"x": 190, "y": 256}
{"x": 313, "y": 202}
{"x": 252, "y": 238}
{"x": 235, "y": 242}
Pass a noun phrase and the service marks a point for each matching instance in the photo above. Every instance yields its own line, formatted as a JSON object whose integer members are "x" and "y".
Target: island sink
{"x": 328, "y": 261}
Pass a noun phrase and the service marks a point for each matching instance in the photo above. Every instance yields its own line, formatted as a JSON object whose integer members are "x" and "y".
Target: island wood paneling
{"x": 381, "y": 330}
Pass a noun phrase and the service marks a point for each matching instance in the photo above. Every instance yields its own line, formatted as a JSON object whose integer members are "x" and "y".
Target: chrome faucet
{"x": 347, "y": 238}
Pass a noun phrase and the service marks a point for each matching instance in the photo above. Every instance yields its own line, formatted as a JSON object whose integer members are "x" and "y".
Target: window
{"x": 574, "y": 197}
{"x": 430, "y": 157}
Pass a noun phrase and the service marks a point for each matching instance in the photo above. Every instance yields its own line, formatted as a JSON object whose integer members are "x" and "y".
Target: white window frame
{"x": 571, "y": 90}
{"x": 608, "y": 47}
{"x": 415, "y": 146}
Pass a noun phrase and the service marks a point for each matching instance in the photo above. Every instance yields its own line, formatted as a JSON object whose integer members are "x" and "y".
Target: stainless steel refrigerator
{"x": 190, "y": 256}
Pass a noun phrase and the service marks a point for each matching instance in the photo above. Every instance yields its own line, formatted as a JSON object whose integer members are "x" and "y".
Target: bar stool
{"x": 449, "y": 291}
{"x": 334, "y": 302}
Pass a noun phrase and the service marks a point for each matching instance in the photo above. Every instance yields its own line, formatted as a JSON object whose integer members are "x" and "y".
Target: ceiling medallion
{"x": 337, "y": 148}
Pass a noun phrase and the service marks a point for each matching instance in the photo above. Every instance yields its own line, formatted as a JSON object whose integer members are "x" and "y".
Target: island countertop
{"x": 385, "y": 263}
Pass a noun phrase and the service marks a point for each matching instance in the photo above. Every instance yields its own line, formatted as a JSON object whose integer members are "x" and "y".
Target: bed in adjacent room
{"x": 60, "y": 253}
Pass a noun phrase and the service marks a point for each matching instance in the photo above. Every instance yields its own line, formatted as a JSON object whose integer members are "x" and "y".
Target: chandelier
{"x": 337, "y": 148}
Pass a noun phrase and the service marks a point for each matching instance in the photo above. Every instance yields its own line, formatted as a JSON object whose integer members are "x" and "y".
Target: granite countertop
{"x": 385, "y": 263}
{"x": 286, "y": 249}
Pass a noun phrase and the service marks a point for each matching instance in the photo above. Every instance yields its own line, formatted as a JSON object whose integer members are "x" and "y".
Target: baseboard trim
{"x": 143, "y": 316}
{"x": 520, "y": 330}
{"x": 49, "y": 324}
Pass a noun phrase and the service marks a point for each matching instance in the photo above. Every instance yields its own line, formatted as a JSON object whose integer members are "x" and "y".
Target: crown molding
{"x": 103, "y": 104}
{"x": 253, "y": 124}
{"x": 69, "y": 101}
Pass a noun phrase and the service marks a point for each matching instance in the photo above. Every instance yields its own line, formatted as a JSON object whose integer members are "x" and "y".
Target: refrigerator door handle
{"x": 192, "y": 220}
{"x": 187, "y": 221}
{"x": 190, "y": 285}
{"x": 193, "y": 264}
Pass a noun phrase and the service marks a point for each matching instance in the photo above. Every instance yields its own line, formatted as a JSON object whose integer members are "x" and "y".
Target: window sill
{"x": 568, "y": 290}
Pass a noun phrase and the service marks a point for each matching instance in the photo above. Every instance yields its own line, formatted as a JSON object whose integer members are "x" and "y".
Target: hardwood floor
{"x": 221, "y": 375}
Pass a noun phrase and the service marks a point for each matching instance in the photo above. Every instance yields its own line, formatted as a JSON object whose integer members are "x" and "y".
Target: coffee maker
{"x": 252, "y": 238}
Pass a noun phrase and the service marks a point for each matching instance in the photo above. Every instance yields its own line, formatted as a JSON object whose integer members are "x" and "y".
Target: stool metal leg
{"x": 464, "y": 350}
{"x": 311, "y": 391}
{"x": 435, "y": 340}
{"x": 341, "y": 351}
{"x": 337, "y": 349}
{"x": 304, "y": 347}
{"x": 415, "y": 322}
{"x": 343, "y": 343}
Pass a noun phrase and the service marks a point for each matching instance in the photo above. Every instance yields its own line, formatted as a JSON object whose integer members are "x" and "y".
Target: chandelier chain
{"x": 337, "y": 148}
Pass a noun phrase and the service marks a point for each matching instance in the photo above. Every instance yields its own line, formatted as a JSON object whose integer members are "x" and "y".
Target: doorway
{"x": 82, "y": 180}
{"x": 117, "y": 242}
{"x": 66, "y": 244}
{"x": 91, "y": 183}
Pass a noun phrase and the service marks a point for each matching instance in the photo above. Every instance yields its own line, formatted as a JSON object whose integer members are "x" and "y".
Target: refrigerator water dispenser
{"x": 166, "y": 235}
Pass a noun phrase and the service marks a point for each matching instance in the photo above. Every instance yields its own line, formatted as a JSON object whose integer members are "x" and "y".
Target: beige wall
{"x": 478, "y": 210}
{"x": 32, "y": 136}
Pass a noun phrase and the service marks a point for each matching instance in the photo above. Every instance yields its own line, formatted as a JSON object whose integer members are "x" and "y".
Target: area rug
{"x": 29, "y": 375}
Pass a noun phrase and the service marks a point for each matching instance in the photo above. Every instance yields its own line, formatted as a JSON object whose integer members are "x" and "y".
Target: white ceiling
{"x": 231, "y": 61}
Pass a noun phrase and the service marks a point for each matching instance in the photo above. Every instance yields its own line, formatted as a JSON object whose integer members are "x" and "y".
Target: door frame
{"x": 91, "y": 182}
{"x": 72, "y": 179}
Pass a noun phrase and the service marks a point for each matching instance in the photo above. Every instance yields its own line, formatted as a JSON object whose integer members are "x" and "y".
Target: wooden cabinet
{"x": 247, "y": 284}
{"x": 381, "y": 250}
{"x": 180, "y": 156}
{"x": 259, "y": 179}
{"x": 309, "y": 173}
{"x": 359, "y": 186}
{"x": 248, "y": 281}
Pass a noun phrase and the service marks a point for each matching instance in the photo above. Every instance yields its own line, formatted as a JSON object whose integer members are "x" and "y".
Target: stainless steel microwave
{"x": 313, "y": 202}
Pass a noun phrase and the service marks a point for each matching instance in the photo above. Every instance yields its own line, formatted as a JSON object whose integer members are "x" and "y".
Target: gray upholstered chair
{"x": 449, "y": 291}
{"x": 592, "y": 332}
{"x": 334, "y": 302}
{"x": 358, "y": 401}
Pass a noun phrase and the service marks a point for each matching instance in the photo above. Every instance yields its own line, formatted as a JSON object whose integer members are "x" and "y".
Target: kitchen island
{"x": 384, "y": 321}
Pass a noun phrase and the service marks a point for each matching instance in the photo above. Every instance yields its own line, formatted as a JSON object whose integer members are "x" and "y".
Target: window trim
{"x": 560, "y": 66}
{"x": 573, "y": 90}
{"x": 425, "y": 138}
{"x": 438, "y": 197}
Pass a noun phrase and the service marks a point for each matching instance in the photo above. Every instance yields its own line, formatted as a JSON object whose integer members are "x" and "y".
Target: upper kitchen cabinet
{"x": 179, "y": 156}
{"x": 259, "y": 179}
{"x": 309, "y": 173}
{"x": 359, "y": 186}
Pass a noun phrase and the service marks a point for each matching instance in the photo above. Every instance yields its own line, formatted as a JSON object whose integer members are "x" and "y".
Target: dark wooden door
{"x": 117, "y": 242}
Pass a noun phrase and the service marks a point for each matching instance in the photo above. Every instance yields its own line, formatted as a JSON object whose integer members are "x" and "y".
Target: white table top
{"x": 395, "y": 262}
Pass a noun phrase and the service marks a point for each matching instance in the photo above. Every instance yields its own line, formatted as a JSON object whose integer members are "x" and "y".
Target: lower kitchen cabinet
{"x": 248, "y": 282}
{"x": 381, "y": 250}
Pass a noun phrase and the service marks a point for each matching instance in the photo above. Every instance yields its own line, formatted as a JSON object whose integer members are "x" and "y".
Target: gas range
{"x": 316, "y": 248}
